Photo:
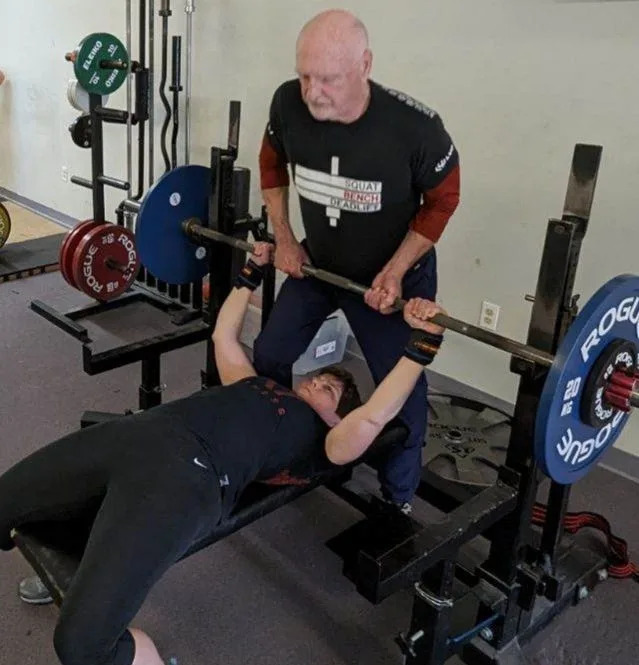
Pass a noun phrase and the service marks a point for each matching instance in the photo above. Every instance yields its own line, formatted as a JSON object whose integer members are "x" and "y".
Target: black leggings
{"x": 154, "y": 502}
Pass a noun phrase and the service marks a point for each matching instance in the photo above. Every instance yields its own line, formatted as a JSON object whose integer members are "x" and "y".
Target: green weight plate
{"x": 5, "y": 225}
{"x": 87, "y": 63}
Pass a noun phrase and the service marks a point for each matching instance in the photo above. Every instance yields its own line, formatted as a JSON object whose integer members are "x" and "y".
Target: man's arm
{"x": 353, "y": 435}
{"x": 276, "y": 202}
{"x": 231, "y": 360}
{"x": 438, "y": 205}
{"x": 413, "y": 246}
{"x": 289, "y": 254}
{"x": 435, "y": 172}
{"x": 274, "y": 181}
{"x": 274, "y": 177}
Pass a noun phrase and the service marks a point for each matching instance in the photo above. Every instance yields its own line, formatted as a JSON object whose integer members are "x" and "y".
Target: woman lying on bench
{"x": 166, "y": 477}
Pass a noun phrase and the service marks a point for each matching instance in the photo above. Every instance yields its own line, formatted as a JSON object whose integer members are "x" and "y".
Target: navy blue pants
{"x": 299, "y": 311}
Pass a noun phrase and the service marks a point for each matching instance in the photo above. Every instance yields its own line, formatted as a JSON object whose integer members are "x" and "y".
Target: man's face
{"x": 331, "y": 84}
{"x": 323, "y": 393}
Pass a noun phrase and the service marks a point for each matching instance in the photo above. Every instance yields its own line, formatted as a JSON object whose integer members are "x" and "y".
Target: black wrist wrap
{"x": 250, "y": 276}
{"x": 423, "y": 346}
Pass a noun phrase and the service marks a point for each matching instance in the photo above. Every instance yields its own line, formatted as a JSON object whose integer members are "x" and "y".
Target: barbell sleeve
{"x": 195, "y": 230}
{"x": 114, "y": 64}
{"x": 131, "y": 205}
{"x": 112, "y": 264}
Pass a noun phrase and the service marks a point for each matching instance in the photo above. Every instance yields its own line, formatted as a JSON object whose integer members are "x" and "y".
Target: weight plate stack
{"x": 466, "y": 442}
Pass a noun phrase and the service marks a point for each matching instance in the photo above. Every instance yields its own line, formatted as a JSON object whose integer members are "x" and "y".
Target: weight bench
{"x": 54, "y": 549}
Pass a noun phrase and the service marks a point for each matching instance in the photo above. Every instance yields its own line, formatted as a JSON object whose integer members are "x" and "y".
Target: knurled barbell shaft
{"x": 194, "y": 229}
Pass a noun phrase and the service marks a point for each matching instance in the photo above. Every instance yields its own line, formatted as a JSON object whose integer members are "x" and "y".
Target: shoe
{"x": 405, "y": 508}
{"x": 32, "y": 591}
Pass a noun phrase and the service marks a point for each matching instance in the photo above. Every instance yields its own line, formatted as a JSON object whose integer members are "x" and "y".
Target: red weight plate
{"x": 68, "y": 247}
{"x": 105, "y": 263}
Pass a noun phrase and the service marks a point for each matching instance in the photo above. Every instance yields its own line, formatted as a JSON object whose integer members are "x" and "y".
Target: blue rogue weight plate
{"x": 565, "y": 446}
{"x": 163, "y": 247}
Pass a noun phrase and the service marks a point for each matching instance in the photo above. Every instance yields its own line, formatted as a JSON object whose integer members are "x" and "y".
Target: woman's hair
{"x": 350, "y": 398}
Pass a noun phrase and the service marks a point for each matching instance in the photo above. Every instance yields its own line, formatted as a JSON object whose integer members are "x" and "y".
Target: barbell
{"x": 593, "y": 380}
{"x": 577, "y": 428}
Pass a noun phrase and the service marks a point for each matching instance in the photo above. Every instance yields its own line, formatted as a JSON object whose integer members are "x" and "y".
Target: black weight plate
{"x": 80, "y": 130}
{"x": 466, "y": 441}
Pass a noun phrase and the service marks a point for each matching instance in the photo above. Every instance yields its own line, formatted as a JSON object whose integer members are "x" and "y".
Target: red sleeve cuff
{"x": 437, "y": 207}
{"x": 273, "y": 167}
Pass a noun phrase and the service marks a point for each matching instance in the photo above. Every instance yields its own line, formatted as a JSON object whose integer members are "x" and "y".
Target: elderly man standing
{"x": 377, "y": 176}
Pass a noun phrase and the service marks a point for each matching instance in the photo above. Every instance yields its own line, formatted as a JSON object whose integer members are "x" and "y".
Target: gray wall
{"x": 518, "y": 83}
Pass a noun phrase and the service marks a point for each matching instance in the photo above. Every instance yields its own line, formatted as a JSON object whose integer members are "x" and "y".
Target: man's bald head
{"x": 333, "y": 62}
{"x": 335, "y": 30}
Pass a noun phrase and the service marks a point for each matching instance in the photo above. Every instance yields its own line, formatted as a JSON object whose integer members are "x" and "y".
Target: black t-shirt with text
{"x": 360, "y": 184}
{"x": 255, "y": 429}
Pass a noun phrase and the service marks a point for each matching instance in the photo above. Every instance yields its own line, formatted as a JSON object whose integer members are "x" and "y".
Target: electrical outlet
{"x": 64, "y": 174}
{"x": 489, "y": 315}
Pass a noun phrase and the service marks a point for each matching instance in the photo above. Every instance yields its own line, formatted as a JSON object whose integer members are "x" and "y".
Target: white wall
{"x": 518, "y": 83}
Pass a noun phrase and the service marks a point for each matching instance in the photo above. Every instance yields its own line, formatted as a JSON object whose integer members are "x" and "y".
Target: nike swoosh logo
{"x": 197, "y": 461}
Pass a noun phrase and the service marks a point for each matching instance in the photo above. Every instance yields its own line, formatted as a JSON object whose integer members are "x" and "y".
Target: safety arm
{"x": 352, "y": 436}
{"x": 231, "y": 360}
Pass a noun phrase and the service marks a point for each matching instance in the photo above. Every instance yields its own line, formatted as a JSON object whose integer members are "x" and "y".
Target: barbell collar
{"x": 195, "y": 230}
{"x": 623, "y": 380}
{"x": 617, "y": 400}
{"x": 622, "y": 391}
